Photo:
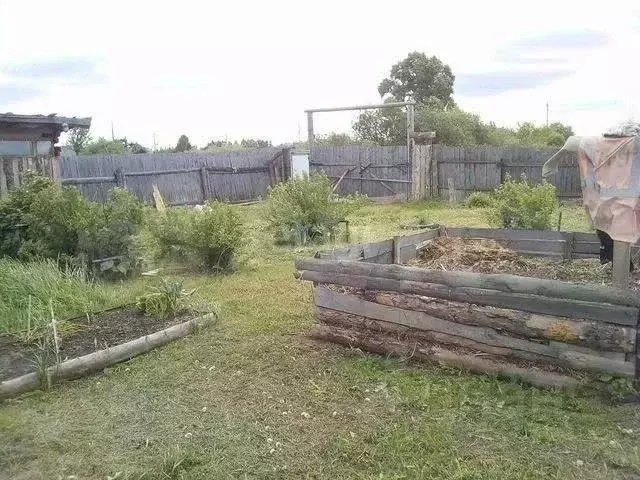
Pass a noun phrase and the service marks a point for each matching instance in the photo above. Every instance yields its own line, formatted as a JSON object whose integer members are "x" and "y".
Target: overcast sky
{"x": 217, "y": 69}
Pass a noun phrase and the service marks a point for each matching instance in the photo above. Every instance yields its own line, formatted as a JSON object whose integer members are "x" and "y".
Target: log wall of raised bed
{"x": 540, "y": 330}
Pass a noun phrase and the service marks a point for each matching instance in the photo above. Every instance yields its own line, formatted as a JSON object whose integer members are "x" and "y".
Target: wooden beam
{"x": 516, "y": 301}
{"x": 490, "y": 281}
{"x": 411, "y": 190}
{"x": 621, "y": 262}
{"x": 310, "y": 135}
{"x": 3, "y": 179}
{"x": 594, "y": 335}
{"x": 483, "y": 336}
{"x": 360, "y": 107}
{"x": 88, "y": 180}
{"x": 388, "y": 345}
{"x": 346, "y": 172}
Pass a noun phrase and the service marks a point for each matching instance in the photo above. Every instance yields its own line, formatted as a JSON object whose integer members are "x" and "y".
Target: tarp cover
{"x": 610, "y": 178}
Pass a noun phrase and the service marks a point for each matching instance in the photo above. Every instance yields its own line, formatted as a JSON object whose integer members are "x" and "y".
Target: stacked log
{"x": 535, "y": 329}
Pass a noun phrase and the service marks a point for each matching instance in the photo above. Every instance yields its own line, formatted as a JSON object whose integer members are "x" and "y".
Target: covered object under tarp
{"x": 610, "y": 177}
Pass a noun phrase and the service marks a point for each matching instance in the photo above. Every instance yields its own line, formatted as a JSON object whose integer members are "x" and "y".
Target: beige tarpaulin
{"x": 610, "y": 178}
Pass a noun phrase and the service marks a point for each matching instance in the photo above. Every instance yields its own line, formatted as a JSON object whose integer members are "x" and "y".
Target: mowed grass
{"x": 251, "y": 397}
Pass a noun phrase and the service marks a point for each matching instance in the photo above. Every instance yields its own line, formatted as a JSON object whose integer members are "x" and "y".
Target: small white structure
{"x": 299, "y": 164}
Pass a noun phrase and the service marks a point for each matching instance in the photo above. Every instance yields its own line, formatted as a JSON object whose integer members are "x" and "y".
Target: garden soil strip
{"x": 81, "y": 337}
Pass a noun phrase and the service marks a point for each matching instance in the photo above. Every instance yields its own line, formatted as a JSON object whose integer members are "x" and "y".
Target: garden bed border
{"x": 83, "y": 365}
{"x": 565, "y": 328}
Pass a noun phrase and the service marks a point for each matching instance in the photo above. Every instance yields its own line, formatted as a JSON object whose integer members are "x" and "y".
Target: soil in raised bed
{"x": 82, "y": 336}
{"x": 488, "y": 256}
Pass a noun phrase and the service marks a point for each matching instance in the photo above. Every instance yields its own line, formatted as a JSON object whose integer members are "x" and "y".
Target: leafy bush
{"x": 110, "y": 232}
{"x": 479, "y": 200}
{"x": 519, "y": 204}
{"x": 42, "y": 220}
{"x": 307, "y": 210}
{"x": 210, "y": 238}
{"x": 166, "y": 300}
{"x": 13, "y": 211}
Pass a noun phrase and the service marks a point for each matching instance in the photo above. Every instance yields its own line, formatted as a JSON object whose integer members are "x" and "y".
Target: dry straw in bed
{"x": 489, "y": 256}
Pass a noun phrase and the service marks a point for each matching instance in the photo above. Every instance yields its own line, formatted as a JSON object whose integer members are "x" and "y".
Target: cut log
{"x": 501, "y": 282}
{"x": 529, "y": 303}
{"x": 483, "y": 336}
{"x": 101, "y": 359}
{"x": 592, "y": 334}
{"x": 384, "y": 345}
{"x": 348, "y": 321}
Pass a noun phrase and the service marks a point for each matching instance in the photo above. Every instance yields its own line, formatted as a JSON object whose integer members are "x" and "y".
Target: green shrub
{"x": 479, "y": 200}
{"x": 307, "y": 210}
{"x": 14, "y": 209}
{"x": 43, "y": 220}
{"x": 110, "y": 232}
{"x": 519, "y": 204}
{"x": 210, "y": 238}
{"x": 166, "y": 300}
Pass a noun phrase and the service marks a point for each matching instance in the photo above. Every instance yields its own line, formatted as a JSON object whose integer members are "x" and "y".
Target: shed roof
{"x": 38, "y": 127}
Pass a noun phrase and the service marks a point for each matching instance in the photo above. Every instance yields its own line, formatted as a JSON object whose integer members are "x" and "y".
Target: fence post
{"x": 3, "y": 180}
{"x": 411, "y": 188}
{"x": 435, "y": 170}
{"x": 621, "y": 263}
{"x": 396, "y": 250}
{"x": 120, "y": 180}
{"x": 204, "y": 184}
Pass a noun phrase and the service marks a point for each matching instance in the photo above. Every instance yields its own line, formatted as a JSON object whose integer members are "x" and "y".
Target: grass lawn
{"x": 252, "y": 398}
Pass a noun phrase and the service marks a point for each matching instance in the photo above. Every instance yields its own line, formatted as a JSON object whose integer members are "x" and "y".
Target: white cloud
{"x": 242, "y": 68}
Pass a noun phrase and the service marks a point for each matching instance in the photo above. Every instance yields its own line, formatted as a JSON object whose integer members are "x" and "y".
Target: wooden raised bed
{"x": 123, "y": 327}
{"x": 547, "y": 332}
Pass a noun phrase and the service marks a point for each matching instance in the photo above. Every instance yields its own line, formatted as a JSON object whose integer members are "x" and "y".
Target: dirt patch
{"x": 82, "y": 336}
{"x": 488, "y": 256}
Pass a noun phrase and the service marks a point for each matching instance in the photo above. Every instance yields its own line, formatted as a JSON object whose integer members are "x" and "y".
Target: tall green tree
{"x": 78, "y": 139}
{"x": 102, "y": 145}
{"x": 183, "y": 144}
{"x": 425, "y": 80}
{"x": 255, "y": 143}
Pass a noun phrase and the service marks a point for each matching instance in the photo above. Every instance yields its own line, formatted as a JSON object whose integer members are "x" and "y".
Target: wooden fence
{"x": 182, "y": 179}
{"x": 483, "y": 168}
{"x": 372, "y": 170}
{"x": 12, "y": 170}
{"x": 435, "y": 169}
{"x": 543, "y": 331}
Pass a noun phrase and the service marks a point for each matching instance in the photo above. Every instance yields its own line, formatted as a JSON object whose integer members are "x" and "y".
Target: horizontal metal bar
{"x": 515, "y": 165}
{"x": 469, "y": 189}
{"x": 237, "y": 170}
{"x": 197, "y": 169}
{"x": 161, "y": 172}
{"x": 455, "y": 162}
{"x": 373, "y": 165}
{"x": 87, "y": 180}
{"x": 360, "y": 107}
{"x": 367, "y": 179}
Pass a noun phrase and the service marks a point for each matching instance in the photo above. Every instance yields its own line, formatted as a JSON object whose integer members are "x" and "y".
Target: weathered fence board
{"x": 181, "y": 178}
{"x": 483, "y": 168}
{"x": 379, "y": 171}
{"x": 376, "y": 171}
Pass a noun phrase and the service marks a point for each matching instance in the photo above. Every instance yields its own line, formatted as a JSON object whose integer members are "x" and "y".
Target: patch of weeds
{"x": 166, "y": 300}
{"x": 620, "y": 388}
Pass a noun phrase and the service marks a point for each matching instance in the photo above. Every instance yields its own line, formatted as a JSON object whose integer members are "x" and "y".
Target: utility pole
{"x": 113, "y": 137}
{"x": 155, "y": 144}
{"x": 547, "y": 113}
